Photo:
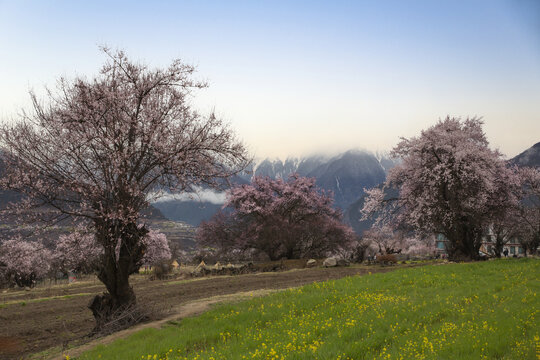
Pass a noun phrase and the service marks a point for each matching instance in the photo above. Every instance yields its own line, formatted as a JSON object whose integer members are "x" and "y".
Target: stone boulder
{"x": 311, "y": 263}
{"x": 330, "y": 262}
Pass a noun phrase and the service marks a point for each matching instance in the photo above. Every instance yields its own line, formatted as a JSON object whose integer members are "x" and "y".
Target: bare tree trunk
{"x": 499, "y": 245}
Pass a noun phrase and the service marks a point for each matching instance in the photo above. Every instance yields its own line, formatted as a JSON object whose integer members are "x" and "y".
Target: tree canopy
{"x": 23, "y": 262}
{"x": 450, "y": 182}
{"x": 100, "y": 148}
{"x": 291, "y": 218}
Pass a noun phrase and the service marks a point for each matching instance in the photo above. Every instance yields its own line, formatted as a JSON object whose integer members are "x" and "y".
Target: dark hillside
{"x": 530, "y": 157}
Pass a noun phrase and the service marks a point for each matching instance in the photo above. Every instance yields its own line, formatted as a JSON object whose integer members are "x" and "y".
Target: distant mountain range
{"x": 346, "y": 175}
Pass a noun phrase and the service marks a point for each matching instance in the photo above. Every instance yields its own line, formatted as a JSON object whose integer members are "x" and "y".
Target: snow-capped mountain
{"x": 346, "y": 175}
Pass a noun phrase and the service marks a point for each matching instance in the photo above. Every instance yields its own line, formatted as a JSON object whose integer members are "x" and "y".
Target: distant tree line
{"x": 24, "y": 262}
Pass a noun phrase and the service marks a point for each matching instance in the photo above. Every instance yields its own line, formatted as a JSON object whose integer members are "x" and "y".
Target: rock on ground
{"x": 330, "y": 262}
{"x": 311, "y": 263}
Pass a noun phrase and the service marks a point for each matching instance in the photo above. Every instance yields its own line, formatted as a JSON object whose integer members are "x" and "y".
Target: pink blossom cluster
{"x": 23, "y": 262}
{"x": 157, "y": 248}
{"x": 291, "y": 218}
{"x": 77, "y": 251}
{"x": 385, "y": 240}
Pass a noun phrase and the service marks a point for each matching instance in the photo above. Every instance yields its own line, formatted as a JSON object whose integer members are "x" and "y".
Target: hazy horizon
{"x": 293, "y": 79}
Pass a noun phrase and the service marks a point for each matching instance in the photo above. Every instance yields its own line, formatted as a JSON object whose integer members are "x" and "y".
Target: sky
{"x": 294, "y": 78}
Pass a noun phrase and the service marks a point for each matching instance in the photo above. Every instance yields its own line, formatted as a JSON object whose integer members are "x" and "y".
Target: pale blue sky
{"x": 295, "y": 77}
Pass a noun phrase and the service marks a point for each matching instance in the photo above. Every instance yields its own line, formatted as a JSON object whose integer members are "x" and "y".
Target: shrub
{"x": 161, "y": 270}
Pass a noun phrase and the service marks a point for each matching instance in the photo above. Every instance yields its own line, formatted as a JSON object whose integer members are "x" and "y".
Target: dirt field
{"x": 42, "y": 318}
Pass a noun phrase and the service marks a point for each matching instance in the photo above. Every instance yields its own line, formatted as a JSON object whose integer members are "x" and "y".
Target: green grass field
{"x": 485, "y": 310}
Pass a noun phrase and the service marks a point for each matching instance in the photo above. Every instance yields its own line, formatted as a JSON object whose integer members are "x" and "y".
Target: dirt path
{"x": 33, "y": 321}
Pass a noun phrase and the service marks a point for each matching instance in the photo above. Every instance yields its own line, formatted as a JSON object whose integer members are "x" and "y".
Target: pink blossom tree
{"x": 449, "y": 182}
{"x": 292, "y": 219}
{"x": 385, "y": 240}
{"x": 77, "y": 251}
{"x": 529, "y": 210}
{"x": 157, "y": 248}
{"x": 24, "y": 262}
{"x": 100, "y": 148}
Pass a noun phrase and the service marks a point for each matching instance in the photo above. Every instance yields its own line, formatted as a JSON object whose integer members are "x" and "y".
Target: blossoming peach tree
{"x": 279, "y": 218}
{"x": 449, "y": 182}
{"x": 76, "y": 251}
{"x": 23, "y": 262}
{"x": 157, "y": 248}
{"x": 99, "y": 148}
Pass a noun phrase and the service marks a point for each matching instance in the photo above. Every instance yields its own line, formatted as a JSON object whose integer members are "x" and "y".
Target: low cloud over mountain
{"x": 199, "y": 195}
{"x": 346, "y": 175}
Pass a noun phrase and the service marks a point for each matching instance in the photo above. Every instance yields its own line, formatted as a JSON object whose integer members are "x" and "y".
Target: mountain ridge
{"x": 529, "y": 157}
{"x": 345, "y": 174}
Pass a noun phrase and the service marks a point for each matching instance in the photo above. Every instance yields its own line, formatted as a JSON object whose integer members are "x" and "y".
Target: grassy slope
{"x": 487, "y": 310}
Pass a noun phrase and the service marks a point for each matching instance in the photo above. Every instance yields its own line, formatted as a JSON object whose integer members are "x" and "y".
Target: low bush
{"x": 161, "y": 270}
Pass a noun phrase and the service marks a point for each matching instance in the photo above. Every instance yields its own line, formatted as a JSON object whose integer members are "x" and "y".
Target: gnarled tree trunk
{"x": 123, "y": 253}
{"x": 465, "y": 242}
